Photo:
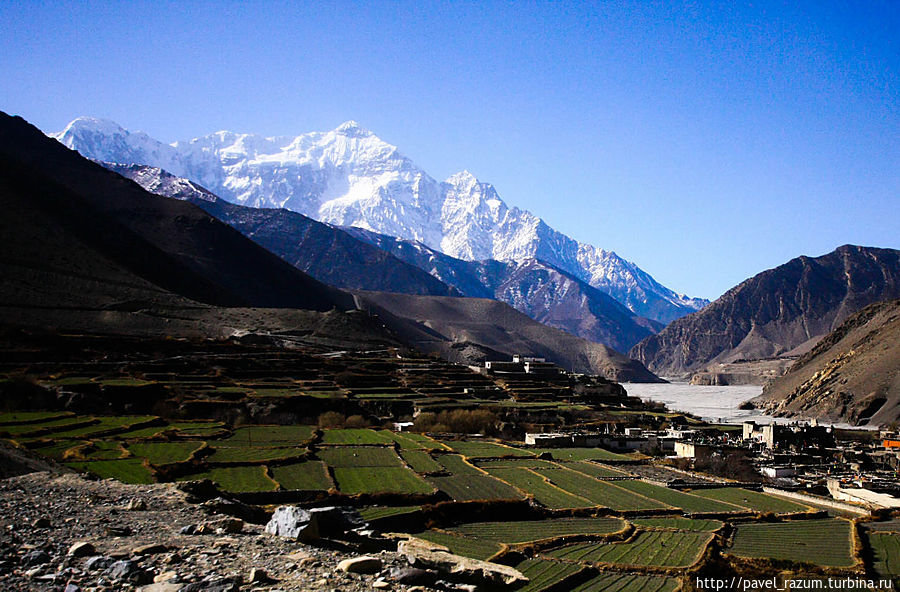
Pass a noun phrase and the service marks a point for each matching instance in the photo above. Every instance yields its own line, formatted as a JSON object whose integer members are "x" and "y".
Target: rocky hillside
{"x": 777, "y": 312}
{"x": 852, "y": 375}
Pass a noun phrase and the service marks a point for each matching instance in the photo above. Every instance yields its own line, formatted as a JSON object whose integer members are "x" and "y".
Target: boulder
{"x": 360, "y": 565}
{"x": 292, "y": 522}
{"x": 36, "y": 557}
{"x": 425, "y": 555}
{"x": 81, "y": 549}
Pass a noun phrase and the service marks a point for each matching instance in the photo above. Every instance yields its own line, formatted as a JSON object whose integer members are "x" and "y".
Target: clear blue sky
{"x": 703, "y": 141}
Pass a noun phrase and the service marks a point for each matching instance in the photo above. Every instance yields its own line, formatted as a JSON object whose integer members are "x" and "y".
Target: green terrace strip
{"x": 629, "y": 583}
{"x": 100, "y": 450}
{"x": 602, "y": 493}
{"x": 197, "y": 429}
{"x": 233, "y": 454}
{"x": 421, "y": 461}
{"x": 128, "y": 470}
{"x": 646, "y": 548}
{"x": 269, "y": 435}
{"x": 511, "y": 463}
{"x": 27, "y": 429}
{"x": 379, "y": 479}
{"x": 360, "y": 456}
{"x": 885, "y": 553}
{"x": 537, "y": 530}
{"x": 57, "y": 449}
{"x": 126, "y": 382}
{"x": 412, "y": 440}
{"x": 104, "y": 425}
{"x": 161, "y": 453}
{"x": 237, "y": 479}
{"x": 461, "y": 545}
{"x": 752, "y": 500}
{"x": 31, "y": 417}
{"x": 477, "y": 449}
{"x": 673, "y": 497}
{"x": 821, "y": 542}
{"x": 355, "y": 436}
{"x": 886, "y": 526}
{"x": 595, "y": 470}
{"x": 379, "y": 512}
{"x": 679, "y": 523}
{"x": 543, "y": 573}
{"x": 467, "y": 483}
{"x": 582, "y": 454}
{"x": 543, "y": 491}
{"x": 311, "y": 475}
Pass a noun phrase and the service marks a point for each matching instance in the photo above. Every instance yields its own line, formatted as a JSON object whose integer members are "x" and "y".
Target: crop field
{"x": 457, "y": 465}
{"x": 359, "y": 456}
{"x": 234, "y": 454}
{"x": 100, "y": 450}
{"x": 593, "y": 469}
{"x": 543, "y": 491}
{"x": 356, "y": 436}
{"x": 411, "y": 440}
{"x": 160, "y": 453}
{"x": 679, "y": 523}
{"x": 31, "y": 417}
{"x": 310, "y": 475}
{"x": 536, "y": 530}
{"x": 678, "y": 499}
{"x": 379, "y": 479}
{"x": 601, "y": 493}
{"x": 656, "y": 548}
{"x": 420, "y": 461}
{"x": 821, "y": 542}
{"x": 517, "y": 463}
{"x": 270, "y": 435}
{"x": 629, "y": 583}
{"x": 461, "y": 545}
{"x": 463, "y": 488}
{"x": 885, "y": 553}
{"x": 237, "y": 479}
{"x": 752, "y": 500}
{"x": 543, "y": 573}
{"x": 581, "y": 454}
{"x": 128, "y": 470}
{"x": 56, "y": 449}
{"x": 379, "y": 512}
{"x": 26, "y": 429}
{"x": 103, "y": 425}
{"x": 476, "y": 449}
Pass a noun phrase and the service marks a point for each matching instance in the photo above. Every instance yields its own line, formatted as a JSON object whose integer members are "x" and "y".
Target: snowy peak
{"x": 350, "y": 177}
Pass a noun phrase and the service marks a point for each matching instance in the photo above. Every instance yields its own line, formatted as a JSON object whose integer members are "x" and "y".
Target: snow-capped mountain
{"x": 350, "y": 177}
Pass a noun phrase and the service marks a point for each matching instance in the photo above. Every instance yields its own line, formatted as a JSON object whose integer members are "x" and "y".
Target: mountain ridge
{"x": 349, "y": 177}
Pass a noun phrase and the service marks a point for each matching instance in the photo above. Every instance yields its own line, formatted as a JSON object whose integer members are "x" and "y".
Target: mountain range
{"x": 350, "y": 177}
{"x": 89, "y": 251}
{"x": 780, "y": 312}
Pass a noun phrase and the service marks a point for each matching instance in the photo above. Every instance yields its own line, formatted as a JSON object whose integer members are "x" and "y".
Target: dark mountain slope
{"x": 779, "y": 310}
{"x": 324, "y": 252}
{"x": 169, "y": 243}
{"x": 852, "y": 375}
{"x": 451, "y": 325}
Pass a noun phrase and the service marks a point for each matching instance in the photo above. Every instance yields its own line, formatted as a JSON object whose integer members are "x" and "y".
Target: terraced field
{"x": 821, "y": 542}
{"x": 678, "y": 499}
{"x": 128, "y": 470}
{"x": 582, "y": 454}
{"x": 477, "y": 449}
{"x": 269, "y": 435}
{"x": 379, "y": 479}
{"x": 752, "y": 500}
{"x": 679, "y": 523}
{"x": 234, "y": 454}
{"x": 420, "y": 461}
{"x": 536, "y": 530}
{"x": 356, "y": 437}
{"x": 236, "y": 479}
{"x": 629, "y": 583}
{"x": 543, "y": 573}
{"x": 461, "y": 545}
{"x": 595, "y": 470}
{"x": 646, "y": 548}
{"x": 360, "y": 456}
{"x": 310, "y": 475}
{"x": 885, "y": 553}
{"x": 601, "y": 493}
{"x": 543, "y": 491}
{"x": 160, "y": 453}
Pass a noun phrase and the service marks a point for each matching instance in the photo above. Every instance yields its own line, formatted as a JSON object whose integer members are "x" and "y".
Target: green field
{"x": 594, "y": 469}
{"x": 379, "y": 479}
{"x": 752, "y": 500}
{"x": 629, "y": 583}
{"x": 412, "y": 440}
{"x": 678, "y": 499}
{"x": 601, "y": 493}
{"x": 30, "y": 417}
{"x": 360, "y": 456}
{"x": 24, "y": 429}
{"x": 656, "y": 547}
{"x": 234, "y": 454}
{"x": 517, "y": 463}
{"x": 356, "y": 436}
{"x": 268, "y": 435}
{"x": 821, "y": 542}
{"x": 421, "y": 461}
{"x": 477, "y": 449}
{"x": 678, "y": 523}
{"x": 544, "y": 492}
{"x": 160, "y": 453}
{"x": 237, "y": 479}
{"x": 581, "y": 454}
{"x": 303, "y": 476}
{"x": 101, "y": 450}
{"x": 379, "y": 512}
{"x": 536, "y": 530}
{"x": 885, "y": 553}
{"x": 126, "y": 470}
{"x": 543, "y": 573}
{"x": 461, "y": 545}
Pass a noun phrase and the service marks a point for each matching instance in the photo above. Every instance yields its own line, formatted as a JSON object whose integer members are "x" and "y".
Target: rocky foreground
{"x": 62, "y": 532}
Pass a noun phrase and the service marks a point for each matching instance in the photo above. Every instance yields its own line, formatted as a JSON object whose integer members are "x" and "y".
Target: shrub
{"x": 332, "y": 419}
